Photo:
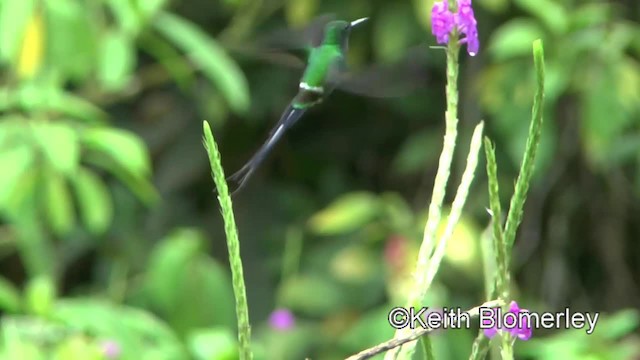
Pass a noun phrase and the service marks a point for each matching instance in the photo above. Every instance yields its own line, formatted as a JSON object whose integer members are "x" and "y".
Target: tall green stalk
{"x": 526, "y": 169}
{"x": 442, "y": 177}
{"x": 233, "y": 244}
{"x": 428, "y": 261}
{"x": 504, "y": 238}
{"x": 502, "y": 255}
{"x": 457, "y": 206}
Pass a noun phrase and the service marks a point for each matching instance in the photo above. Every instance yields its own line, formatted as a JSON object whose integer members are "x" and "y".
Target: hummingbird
{"x": 326, "y": 41}
{"x": 326, "y": 64}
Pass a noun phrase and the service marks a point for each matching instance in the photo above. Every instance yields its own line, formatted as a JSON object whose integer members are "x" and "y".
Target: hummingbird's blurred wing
{"x": 306, "y": 37}
{"x": 279, "y": 46}
{"x": 270, "y": 56}
{"x": 387, "y": 80}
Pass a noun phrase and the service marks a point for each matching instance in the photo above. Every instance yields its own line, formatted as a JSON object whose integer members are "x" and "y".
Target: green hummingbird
{"x": 327, "y": 42}
{"x": 326, "y": 65}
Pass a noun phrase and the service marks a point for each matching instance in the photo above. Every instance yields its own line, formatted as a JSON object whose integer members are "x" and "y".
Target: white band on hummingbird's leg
{"x": 317, "y": 89}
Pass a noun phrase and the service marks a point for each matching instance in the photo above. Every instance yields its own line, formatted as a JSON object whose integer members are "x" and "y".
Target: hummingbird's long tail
{"x": 288, "y": 118}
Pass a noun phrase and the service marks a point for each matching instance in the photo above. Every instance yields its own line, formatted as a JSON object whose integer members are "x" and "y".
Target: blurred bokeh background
{"x": 111, "y": 239}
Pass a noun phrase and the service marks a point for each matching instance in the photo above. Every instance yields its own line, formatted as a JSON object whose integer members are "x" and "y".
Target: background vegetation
{"x": 111, "y": 240}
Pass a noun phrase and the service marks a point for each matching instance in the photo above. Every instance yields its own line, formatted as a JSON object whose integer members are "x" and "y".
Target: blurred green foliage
{"x": 111, "y": 239}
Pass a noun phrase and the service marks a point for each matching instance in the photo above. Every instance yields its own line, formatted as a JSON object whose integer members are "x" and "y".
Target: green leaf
{"x": 624, "y": 149}
{"x": 36, "y": 98}
{"x": 75, "y": 106}
{"x": 590, "y": 15}
{"x": 117, "y": 60}
{"x": 40, "y": 295}
{"x": 72, "y": 38}
{"x": 627, "y": 74}
{"x": 23, "y": 200}
{"x": 182, "y": 283}
{"x": 619, "y": 324}
{"x": 423, "y": 17}
{"x": 12, "y": 130}
{"x": 209, "y": 56}
{"x": 59, "y": 143}
{"x": 13, "y": 164}
{"x": 59, "y": 204}
{"x": 398, "y": 212}
{"x": 94, "y": 201}
{"x": 604, "y": 117}
{"x": 9, "y": 296}
{"x": 127, "y": 16}
{"x": 14, "y": 16}
{"x": 140, "y": 334}
{"x": 140, "y": 186}
{"x": 514, "y": 217}
{"x": 495, "y": 6}
{"x": 167, "y": 262}
{"x": 313, "y": 295}
{"x": 391, "y": 31}
{"x": 555, "y": 17}
{"x": 123, "y": 147}
{"x": 172, "y": 61}
{"x": 346, "y": 214}
{"x": 514, "y": 38}
{"x": 372, "y": 328}
{"x": 149, "y": 8}
{"x": 204, "y": 282}
{"x": 16, "y": 348}
{"x": 416, "y": 152}
{"x": 30, "y": 95}
{"x": 78, "y": 347}
{"x": 24, "y": 337}
{"x": 213, "y": 344}
{"x": 558, "y": 78}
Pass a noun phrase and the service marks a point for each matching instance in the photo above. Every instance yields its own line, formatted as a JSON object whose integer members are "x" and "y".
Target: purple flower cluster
{"x": 111, "y": 349}
{"x": 282, "y": 319}
{"x": 443, "y": 21}
{"x": 521, "y": 331}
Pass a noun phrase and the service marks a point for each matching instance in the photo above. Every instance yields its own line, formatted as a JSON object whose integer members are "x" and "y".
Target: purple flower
{"x": 110, "y": 349}
{"x": 443, "y": 22}
{"x": 515, "y": 324}
{"x": 282, "y": 319}
{"x": 467, "y": 25}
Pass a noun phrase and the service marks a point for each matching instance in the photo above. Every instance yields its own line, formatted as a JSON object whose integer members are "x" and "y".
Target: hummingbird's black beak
{"x": 357, "y": 22}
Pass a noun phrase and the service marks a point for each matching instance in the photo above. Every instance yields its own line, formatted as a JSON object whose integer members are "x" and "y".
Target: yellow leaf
{"x": 354, "y": 265}
{"x": 300, "y": 12}
{"x": 422, "y": 10}
{"x": 462, "y": 248}
{"x": 32, "y": 49}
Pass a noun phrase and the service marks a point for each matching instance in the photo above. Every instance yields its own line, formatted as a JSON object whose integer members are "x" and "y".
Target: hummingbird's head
{"x": 337, "y": 32}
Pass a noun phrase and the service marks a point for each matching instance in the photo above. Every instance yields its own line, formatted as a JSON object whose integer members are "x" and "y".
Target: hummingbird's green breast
{"x": 319, "y": 65}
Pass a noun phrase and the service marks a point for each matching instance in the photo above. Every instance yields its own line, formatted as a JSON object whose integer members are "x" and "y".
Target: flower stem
{"x": 458, "y": 204}
{"x": 413, "y": 335}
{"x": 442, "y": 177}
{"x": 291, "y": 256}
{"x": 504, "y": 239}
{"x": 425, "y": 255}
{"x": 500, "y": 249}
{"x": 506, "y": 350}
{"x": 233, "y": 244}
